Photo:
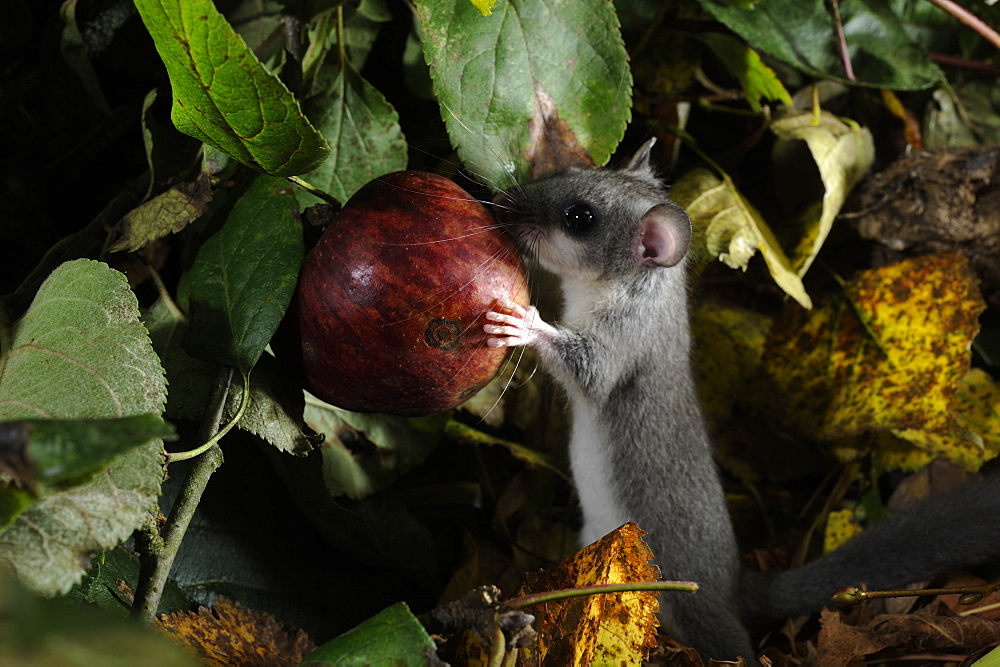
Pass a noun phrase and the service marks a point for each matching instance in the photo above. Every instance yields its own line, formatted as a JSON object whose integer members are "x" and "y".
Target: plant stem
{"x": 969, "y": 19}
{"x": 157, "y": 551}
{"x": 314, "y": 191}
{"x": 173, "y": 457}
{"x": 564, "y": 593}
{"x": 845, "y": 56}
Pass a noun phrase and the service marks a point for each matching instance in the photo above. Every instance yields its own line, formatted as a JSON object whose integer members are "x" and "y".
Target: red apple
{"x": 392, "y": 298}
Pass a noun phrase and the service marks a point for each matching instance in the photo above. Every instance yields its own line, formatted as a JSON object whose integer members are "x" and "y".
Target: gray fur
{"x": 639, "y": 449}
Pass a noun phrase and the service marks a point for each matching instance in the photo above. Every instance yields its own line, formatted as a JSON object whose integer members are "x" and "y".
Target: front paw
{"x": 511, "y": 324}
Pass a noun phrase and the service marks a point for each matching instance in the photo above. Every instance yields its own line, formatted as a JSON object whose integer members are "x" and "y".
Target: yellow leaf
{"x": 973, "y": 443}
{"x": 887, "y": 355}
{"x": 609, "y": 628}
{"x": 841, "y": 525}
{"x": 728, "y": 349}
{"x": 731, "y": 229}
{"x": 485, "y": 7}
{"x": 843, "y": 152}
{"x": 890, "y": 452}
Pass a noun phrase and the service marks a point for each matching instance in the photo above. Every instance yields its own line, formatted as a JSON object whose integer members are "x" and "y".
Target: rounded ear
{"x": 664, "y": 236}
{"x": 640, "y": 161}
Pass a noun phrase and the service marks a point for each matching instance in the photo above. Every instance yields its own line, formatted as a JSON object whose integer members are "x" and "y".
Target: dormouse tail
{"x": 957, "y": 529}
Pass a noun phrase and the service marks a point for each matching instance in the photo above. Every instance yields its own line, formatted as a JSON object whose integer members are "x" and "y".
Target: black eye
{"x": 578, "y": 218}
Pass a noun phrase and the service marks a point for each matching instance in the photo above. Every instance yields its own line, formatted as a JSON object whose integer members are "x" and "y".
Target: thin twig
{"x": 976, "y": 67}
{"x": 157, "y": 551}
{"x": 969, "y": 19}
{"x": 845, "y": 57}
{"x": 565, "y": 593}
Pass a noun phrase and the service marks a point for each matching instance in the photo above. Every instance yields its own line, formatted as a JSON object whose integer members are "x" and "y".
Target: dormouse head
{"x": 601, "y": 223}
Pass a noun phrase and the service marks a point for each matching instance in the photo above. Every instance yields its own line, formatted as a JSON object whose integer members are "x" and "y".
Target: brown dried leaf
{"x": 840, "y": 643}
{"x": 17, "y": 466}
{"x": 671, "y": 653}
{"x": 617, "y": 628}
{"x": 228, "y": 634}
{"x": 984, "y": 608}
{"x": 554, "y": 146}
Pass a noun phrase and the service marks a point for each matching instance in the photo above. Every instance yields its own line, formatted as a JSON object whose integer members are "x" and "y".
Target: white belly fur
{"x": 592, "y": 473}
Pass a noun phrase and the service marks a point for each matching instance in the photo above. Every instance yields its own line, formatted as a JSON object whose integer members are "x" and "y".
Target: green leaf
{"x": 34, "y": 631}
{"x": 274, "y": 413}
{"x": 223, "y": 95}
{"x": 392, "y": 446}
{"x": 393, "y": 636}
{"x": 49, "y": 451}
{"x": 74, "y": 54}
{"x": 80, "y": 352}
{"x": 466, "y": 435}
{"x": 485, "y": 7}
{"x": 13, "y": 502}
{"x": 169, "y": 154}
{"x": 759, "y": 81}
{"x": 533, "y": 65}
{"x": 964, "y": 115}
{"x": 166, "y": 213}
{"x": 243, "y": 278}
{"x": 383, "y": 530}
{"x": 363, "y": 131}
{"x": 991, "y": 659}
{"x": 801, "y": 33}
{"x": 109, "y": 573}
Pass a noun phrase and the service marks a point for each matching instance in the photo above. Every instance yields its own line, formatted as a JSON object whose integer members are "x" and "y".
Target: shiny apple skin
{"x": 392, "y": 298}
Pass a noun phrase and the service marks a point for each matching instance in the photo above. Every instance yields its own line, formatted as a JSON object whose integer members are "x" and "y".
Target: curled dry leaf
{"x": 843, "y": 152}
{"x": 733, "y": 230}
{"x": 841, "y": 644}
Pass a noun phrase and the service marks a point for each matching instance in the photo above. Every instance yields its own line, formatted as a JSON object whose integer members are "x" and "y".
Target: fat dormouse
{"x": 639, "y": 448}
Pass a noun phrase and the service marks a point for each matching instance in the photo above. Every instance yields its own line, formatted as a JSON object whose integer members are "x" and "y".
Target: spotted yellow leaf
{"x": 890, "y": 452}
{"x": 728, "y": 349}
{"x": 841, "y": 525}
{"x": 887, "y": 354}
{"x": 975, "y": 441}
{"x": 608, "y": 628}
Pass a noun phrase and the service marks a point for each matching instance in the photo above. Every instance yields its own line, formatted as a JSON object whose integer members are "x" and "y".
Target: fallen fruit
{"x": 392, "y": 298}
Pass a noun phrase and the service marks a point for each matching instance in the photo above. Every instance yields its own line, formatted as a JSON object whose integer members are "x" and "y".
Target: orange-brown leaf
{"x": 617, "y": 628}
{"x": 228, "y": 634}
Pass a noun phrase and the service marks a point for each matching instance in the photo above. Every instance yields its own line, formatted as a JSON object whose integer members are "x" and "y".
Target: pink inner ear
{"x": 664, "y": 236}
